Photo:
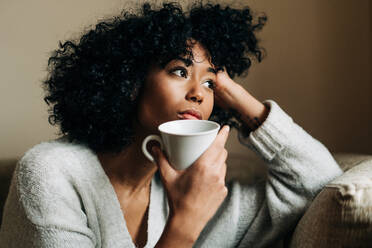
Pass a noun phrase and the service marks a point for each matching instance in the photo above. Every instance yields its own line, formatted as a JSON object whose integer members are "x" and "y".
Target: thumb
{"x": 167, "y": 172}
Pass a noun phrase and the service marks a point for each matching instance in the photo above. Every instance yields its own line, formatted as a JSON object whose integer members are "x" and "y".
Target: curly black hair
{"x": 94, "y": 83}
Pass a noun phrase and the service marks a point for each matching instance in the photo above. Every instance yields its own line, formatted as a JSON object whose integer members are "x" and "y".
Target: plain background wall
{"x": 318, "y": 66}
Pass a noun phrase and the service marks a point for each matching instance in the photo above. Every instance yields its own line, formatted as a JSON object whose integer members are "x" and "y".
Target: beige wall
{"x": 318, "y": 66}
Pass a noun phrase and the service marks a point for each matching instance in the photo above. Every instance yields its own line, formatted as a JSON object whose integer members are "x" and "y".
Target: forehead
{"x": 200, "y": 56}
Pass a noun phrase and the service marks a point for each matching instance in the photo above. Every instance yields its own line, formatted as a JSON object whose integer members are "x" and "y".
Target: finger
{"x": 220, "y": 162}
{"x": 221, "y": 158}
{"x": 223, "y": 169}
{"x": 222, "y": 78}
{"x": 167, "y": 172}
{"x": 218, "y": 144}
{"x": 222, "y": 136}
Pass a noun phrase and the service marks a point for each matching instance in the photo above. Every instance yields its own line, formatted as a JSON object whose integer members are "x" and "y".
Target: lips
{"x": 190, "y": 114}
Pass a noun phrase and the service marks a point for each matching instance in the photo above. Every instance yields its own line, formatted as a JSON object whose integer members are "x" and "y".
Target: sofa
{"x": 339, "y": 216}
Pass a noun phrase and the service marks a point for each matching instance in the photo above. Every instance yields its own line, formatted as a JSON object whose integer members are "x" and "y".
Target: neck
{"x": 129, "y": 171}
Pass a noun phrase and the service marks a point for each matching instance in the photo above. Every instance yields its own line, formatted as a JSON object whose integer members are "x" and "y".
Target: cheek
{"x": 157, "y": 105}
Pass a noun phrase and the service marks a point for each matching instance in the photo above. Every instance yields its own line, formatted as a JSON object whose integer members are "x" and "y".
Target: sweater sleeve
{"x": 299, "y": 166}
{"x": 43, "y": 208}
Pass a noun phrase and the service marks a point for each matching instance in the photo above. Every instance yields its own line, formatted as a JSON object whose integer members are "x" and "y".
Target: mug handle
{"x": 144, "y": 145}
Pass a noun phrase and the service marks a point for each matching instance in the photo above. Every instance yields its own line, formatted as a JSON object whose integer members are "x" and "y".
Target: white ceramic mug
{"x": 184, "y": 141}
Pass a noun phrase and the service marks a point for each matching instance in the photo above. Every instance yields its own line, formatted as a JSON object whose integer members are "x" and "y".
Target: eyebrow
{"x": 189, "y": 62}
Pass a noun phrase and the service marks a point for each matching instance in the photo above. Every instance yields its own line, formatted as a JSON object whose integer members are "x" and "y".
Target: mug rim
{"x": 217, "y": 126}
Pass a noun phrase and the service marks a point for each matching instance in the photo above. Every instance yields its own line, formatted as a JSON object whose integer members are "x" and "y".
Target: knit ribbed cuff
{"x": 267, "y": 138}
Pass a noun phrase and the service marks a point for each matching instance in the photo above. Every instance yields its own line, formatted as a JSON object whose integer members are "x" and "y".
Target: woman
{"x": 93, "y": 187}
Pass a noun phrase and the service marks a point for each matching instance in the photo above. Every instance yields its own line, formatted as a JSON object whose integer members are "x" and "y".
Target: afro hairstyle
{"x": 94, "y": 82}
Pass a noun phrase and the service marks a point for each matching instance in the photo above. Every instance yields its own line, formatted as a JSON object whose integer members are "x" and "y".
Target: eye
{"x": 210, "y": 84}
{"x": 181, "y": 72}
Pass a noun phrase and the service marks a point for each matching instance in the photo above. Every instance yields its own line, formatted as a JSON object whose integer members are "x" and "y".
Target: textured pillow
{"x": 341, "y": 214}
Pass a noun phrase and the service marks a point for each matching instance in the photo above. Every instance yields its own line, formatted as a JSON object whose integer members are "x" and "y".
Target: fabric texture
{"x": 60, "y": 195}
{"x": 341, "y": 215}
{"x": 347, "y": 161}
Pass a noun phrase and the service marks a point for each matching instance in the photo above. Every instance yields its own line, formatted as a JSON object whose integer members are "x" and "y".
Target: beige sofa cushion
{"x": 341, "y": 214}
{"x": 350, "y": 160}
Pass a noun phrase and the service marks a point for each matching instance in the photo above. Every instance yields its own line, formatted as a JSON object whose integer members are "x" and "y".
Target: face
{"x": 178, "y": 91}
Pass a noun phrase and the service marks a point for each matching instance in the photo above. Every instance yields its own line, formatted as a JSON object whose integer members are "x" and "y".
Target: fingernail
{"x": 227, "y": 128}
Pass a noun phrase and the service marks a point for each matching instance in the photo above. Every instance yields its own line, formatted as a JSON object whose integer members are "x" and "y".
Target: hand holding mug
{"x": 196, "y": 193}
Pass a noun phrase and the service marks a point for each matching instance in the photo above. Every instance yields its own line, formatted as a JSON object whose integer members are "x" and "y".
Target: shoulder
{"x": 55, "y": 149}
{"x": 47, "y": 180}
{"x": 54, "y": 157}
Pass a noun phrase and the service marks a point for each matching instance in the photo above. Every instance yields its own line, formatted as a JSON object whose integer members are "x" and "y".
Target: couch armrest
{"x": 350, "y": 160}
{"x": 341, "y": 214}
{"x": 6, "y": 171}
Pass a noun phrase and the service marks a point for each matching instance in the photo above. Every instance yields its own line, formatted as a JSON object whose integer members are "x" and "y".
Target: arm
{"x": 298, "y": 168}
{"x": 43, "y": 209}
{"x": 233, "y": 96}
{"x": 178, "y": 233}
{"x": 194, "y": 194}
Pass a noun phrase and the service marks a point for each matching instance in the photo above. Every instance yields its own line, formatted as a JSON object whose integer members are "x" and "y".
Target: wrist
{"x": 185, "y": 226}
{"x": 251, "y": 111}
{"x": 178, "y": 232}
{"x": 244, "y": 102}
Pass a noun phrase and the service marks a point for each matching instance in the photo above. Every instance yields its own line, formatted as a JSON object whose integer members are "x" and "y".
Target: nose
{"x": 195, "y": 94}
